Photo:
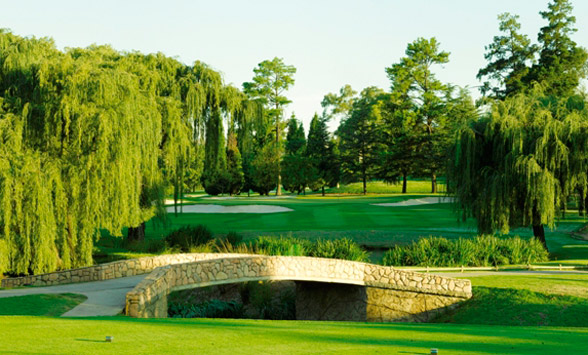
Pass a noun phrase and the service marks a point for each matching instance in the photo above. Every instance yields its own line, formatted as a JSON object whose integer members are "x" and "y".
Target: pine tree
{"x": 509, "y": 58}
{"x": 562, "y": 63}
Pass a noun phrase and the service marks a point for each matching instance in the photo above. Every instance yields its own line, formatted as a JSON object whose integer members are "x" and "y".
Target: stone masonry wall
{"x": 112, "y": 270}
{"x": 149, "y": 298}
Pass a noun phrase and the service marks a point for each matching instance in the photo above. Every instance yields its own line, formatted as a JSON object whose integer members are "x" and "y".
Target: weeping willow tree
{"x": 89, "y": 140}
{"x": 511, "y": 168}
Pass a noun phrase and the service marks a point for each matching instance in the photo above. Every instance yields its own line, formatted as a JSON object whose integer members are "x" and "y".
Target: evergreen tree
{"x": 509, "y": 58}
{"x": 359, "y": 134}
{"x": 413, "y": 77}
{"x": 321, "y": 152}
{"x": 234, "y": 166}
{"x": 272, "y": 78}
{"x": 295, "y": 139}
{"x": 561, "y": 62}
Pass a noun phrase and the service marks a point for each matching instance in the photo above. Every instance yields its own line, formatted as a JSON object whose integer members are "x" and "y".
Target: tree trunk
{"x": 278, "y": 189}
{"x": 581, "y": 203}
{"x": 136, "y": 234}
{"x": 404, "y": 183}
{"x": 433, "y": 183}
{"x": 538, "y": 229}
{"x": 364, "y": 184}
{"x": 323, "y": 190}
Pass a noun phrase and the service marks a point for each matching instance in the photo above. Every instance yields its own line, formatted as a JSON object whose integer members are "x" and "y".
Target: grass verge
{"x": 40, "y": 305}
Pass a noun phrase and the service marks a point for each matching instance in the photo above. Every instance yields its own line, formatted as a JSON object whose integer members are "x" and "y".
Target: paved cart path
{"x": 107, "y": 298}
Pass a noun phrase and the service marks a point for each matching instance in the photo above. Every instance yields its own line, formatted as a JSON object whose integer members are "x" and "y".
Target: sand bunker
{"x": 417, "y": 202}
{"x": 170, "y": 201}
{"x": 231, "y": 209}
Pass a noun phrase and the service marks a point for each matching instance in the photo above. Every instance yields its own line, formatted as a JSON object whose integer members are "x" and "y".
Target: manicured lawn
{"x": 379, "y": 187}
{"x": 215, "y": 336}
{"x": 353, "y": 217}
{"x": 560, "y": 285}
{"x": 40, "y": 305}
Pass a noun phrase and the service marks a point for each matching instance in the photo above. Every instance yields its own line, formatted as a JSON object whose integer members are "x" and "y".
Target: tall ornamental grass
{"x": 480, "y": 251}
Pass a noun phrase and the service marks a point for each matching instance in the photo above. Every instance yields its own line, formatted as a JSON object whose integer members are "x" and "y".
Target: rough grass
{"x": 40, "y": 305}
{"x": 213, "y": 336}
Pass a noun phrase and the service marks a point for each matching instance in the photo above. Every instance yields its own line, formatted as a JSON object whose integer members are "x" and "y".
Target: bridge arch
{"x": 387, "y": 294}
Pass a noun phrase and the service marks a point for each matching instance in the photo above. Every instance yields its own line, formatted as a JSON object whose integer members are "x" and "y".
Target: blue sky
{"x": 331, "y": 43}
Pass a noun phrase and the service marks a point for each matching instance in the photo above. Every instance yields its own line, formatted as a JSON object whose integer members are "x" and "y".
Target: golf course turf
{"x": 227, "y": 336}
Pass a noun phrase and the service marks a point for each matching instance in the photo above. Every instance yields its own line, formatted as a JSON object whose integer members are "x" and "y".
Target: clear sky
{"x": 330, "y": 42}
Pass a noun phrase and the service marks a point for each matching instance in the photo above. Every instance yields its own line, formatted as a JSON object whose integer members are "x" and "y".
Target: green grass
{"x": 562, "y": 284}
{"x": 379, "y": 187}
{"x": 354, "y": 217}
{"x": 40, "y": 305}
{"x": 525, "y": 300}
{"x": 501, "y": 306}
{"x": 213, "y": 336}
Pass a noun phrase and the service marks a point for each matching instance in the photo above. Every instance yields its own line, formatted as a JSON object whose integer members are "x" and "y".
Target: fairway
{"x": 349, "y": 216}
{"x": 315, "y": 216}
{"x": 227, "y": 336}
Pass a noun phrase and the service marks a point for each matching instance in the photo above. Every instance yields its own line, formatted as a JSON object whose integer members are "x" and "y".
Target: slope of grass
{"x": 507, "y": 306}
{"x": 212, "y": 336}
{"x": 40, "y": 305}
{"x": 560, "y": 285}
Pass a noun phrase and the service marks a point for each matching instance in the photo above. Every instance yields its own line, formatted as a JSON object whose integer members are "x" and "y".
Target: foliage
{"x": 265, "y": 169}
{"x": 420, "y": 98}
{"x": 359, "y": 137}
{"x": 188, "y": 237}
{"x": 562, "y": 63}
{"x": 323, "y": 155}
{"x": 272, "y": 79}
{"x": 286, "y": 246}
{"x": 298, "y": 172}
{"x": 344, "y": 248}
{"x": 480, "y": 251}
{"x": 234, "y": 166}
{"x": 295, "y": 139}
{"x": 90, "y": 138}
{"x": 508, "y": 59}
{"x": 209, "y": 309}
{"x": 510, "y": 168}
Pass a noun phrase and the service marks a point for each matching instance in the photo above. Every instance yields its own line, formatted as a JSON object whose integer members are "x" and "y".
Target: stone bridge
{"x": 327, "y": 289}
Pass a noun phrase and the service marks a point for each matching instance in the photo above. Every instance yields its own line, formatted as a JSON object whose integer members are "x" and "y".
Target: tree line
{"x": 93, "y": 139}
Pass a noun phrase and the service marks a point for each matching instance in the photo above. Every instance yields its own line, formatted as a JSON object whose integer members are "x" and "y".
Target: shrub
{"x": 234, "y": 238}
{"x": 189, "y": 237}
{"x": 480, "y": 251}
{"x": 210, "y": 309}
{"x": 344, "y": 248}
{"x": 286, "y": 246}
